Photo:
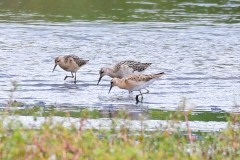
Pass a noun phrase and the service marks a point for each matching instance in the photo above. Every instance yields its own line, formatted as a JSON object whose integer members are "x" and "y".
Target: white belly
{"x": 142, "y": 85}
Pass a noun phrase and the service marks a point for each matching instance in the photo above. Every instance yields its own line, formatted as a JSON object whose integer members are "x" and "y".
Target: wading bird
{"x": 135, "y": 82}
{"x": 122, "y": 69}
{"x": 70, "y": 63}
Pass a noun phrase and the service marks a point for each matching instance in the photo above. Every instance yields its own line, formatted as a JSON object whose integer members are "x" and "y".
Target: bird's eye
{"x": 101, "y": 72}
{"x": 58, "y": 61}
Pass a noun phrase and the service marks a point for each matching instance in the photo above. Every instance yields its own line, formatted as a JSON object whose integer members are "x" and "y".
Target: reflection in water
{"x": 67, "y": 86}
{"x": 148, "y": 125}
{"x": 139, "y": 112}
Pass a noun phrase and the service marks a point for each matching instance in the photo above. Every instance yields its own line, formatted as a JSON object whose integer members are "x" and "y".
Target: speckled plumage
{"x": 70, "y": 63}
{"x": 142, "y": 77}
{"x": 135, "y": 82}
{"x": 136, "y": 66}
{"x": 79, "y": 61}
{"x": 123, "y": 69}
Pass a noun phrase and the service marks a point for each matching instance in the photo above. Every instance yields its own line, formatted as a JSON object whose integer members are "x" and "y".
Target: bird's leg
{"x": 69, "y": 76}
{"x": 146, "y": 92}
{"x": 137, "y": 100}
{"x": 129, "y": 93}
{"x": 75, "y": 78}
{"x": 141, "y": 95}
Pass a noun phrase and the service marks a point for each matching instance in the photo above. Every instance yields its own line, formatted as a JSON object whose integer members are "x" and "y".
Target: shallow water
{"x": 195, "y": 44}
{"x": 105, "y": 123}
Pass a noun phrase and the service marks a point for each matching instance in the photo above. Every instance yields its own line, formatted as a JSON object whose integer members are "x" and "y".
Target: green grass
{"x": 51, "y": 140}
{"x": 194, "y": 116}
{"x": 54, "y": 141}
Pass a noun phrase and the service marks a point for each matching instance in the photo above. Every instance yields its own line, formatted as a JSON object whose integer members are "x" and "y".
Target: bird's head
{"x": 102, "y": 72}
{"x": 112, "y": 84}
{"x": 57, "y": 61}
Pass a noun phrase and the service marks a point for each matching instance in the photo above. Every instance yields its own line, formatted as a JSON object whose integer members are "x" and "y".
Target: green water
{"x": 215, "y": 11}
{"x": 148, "y": 114}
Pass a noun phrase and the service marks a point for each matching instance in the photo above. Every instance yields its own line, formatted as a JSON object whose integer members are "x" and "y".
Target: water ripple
{"x": 201, "y": 62}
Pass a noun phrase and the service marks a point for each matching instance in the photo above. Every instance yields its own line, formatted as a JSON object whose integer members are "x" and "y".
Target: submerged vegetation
{"x": 19, "y": 108}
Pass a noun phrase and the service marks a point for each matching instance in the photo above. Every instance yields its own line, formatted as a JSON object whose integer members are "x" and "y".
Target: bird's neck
{"x": 111, "y": 73}
{"x": 121, "y": 83}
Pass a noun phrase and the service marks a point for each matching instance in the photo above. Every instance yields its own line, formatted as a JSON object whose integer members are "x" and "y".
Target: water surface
{"x": 195, "y": 43}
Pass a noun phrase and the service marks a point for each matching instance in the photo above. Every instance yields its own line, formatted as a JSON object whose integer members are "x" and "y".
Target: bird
{"x": 122, "y": 69}
{"x": 70, "y": 63}
{"x": 135, "y": 82}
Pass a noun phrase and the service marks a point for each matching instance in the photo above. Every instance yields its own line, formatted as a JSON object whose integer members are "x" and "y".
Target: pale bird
{"x": 135, "y": 82}
{"x": 70, "y": 63}
{"x": 122, "y": 69}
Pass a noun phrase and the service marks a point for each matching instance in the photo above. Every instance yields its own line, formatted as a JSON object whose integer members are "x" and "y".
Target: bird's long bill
{"x": 54, "y": 67}
{"x": 110, "y": 89}
{"x": 99, "y": 79}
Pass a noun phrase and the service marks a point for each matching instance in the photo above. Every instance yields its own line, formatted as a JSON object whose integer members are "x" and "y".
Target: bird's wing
{"x": 79, "y": 61}
{"x": 143, "y": 77}
{"x": 117, "y": 66}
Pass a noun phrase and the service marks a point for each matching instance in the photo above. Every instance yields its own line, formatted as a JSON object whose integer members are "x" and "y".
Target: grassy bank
{"x": 54, "y": 141}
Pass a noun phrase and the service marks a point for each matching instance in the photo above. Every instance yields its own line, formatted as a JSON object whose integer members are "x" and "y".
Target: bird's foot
{"x": 137, "y": 100}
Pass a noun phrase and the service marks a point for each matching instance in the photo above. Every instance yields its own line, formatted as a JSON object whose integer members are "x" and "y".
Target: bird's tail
{"x": 147, "y": 64}
{"x": 142, "y": 66}
{"x": 159, "y": 74}
{"x": 85, "y": 61}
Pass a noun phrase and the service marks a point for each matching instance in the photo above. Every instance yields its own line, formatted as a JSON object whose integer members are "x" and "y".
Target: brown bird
{"x": 135, "y": 82}
{"x": 122, "y": 69}
{"x": 70, "y": 63}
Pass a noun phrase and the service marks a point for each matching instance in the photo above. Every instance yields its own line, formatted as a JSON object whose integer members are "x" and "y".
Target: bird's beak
{"x": 54, "y": 67}
{"x": 110, "y": 88}
{"x": 99, "y": 79}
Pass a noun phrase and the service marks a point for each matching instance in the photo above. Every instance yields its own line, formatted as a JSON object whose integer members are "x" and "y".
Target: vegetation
{"x": 52, "y": 140}
{"x": 18, "y": 108}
